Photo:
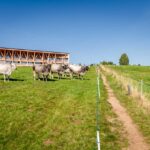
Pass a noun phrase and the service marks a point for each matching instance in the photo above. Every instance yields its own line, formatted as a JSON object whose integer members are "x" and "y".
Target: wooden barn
{"x": 25, "y": 57}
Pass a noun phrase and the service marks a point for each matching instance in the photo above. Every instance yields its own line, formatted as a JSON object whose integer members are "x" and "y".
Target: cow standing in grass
{"x": 59, "y": 69}
{"x": 7, "y": 69}
{"x": 43, "y": 70}
{"x": 68, "y": 72}
{"x": 78, "y": 70}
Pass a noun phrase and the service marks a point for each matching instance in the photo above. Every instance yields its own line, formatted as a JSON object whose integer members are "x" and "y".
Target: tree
{"x": 124, "y": 59}
{"x": 107, "y": 63}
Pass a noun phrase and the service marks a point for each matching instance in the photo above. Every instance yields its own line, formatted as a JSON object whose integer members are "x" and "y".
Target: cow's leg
{"x": 34, "y": 75}
{"x": 38, "y": 75}
{"x": 71, "y": 76}
{"x": 81, "y": 77}
{"x": 43, "y": 77}
{"x": 65, "y": 75}
{"x": 8, "y": 78}
{"x": 52, "y": 76}
{"x": 78, "y": 76}
{"x": 46, "y": 77}
{"x": 60, "y": 76}
{"x": 4, "y": 78}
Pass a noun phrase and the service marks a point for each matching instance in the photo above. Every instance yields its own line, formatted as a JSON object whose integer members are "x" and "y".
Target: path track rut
{"x": 135, "y": 138}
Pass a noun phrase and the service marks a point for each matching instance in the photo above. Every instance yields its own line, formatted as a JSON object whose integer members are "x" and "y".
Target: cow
{"x": 78, "y": 70}
{"x": 7, "y": 69}
{"x": 59, "y": 69}
{"x": 68, "y": 72}
{"x": 43, "y": 70}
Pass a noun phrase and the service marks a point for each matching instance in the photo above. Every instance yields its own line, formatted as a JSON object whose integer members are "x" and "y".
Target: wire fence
{"x": 136, "y": 88}
{"x": 142, "y": 87}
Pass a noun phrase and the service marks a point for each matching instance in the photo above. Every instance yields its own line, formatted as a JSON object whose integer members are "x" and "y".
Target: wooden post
{"x": 68, "y": 59}
{"x": 34, "y": 58}
{"x": 55, "y": 58}
{"x": 20, "y": 57}
{"x": 63, "y": 59}
{"x": 43, "y": 58}
{"x": 129, "y": 90}
{"x": 141, "y": 92}
{"x": 5, "y": 55}
{"x": 12, "y": 56}
{"x": 27, "y": 59}
{"x": 48, "y": 58}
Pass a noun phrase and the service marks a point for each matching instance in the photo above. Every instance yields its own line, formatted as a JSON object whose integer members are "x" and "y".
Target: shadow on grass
{"x": 67, "y": 78}
{"x": 12, "y": 79}
{"x": 80, "y": 78}
{"x": 41, "y": 79}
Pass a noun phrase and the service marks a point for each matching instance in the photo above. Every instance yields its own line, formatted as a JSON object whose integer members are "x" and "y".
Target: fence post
{"x": 129, "y": 89}
{"x": 141, "y": 92}
{"x": 97, "y": 112}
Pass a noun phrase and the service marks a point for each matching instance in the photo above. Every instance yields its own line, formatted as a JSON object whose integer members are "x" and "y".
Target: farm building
{"x": 30, "y": 57}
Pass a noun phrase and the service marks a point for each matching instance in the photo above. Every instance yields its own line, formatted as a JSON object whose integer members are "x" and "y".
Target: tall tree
{"x": 124, "y": 59}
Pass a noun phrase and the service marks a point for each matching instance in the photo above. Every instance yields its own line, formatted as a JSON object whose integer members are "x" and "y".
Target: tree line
{"x": 123, "y": 60}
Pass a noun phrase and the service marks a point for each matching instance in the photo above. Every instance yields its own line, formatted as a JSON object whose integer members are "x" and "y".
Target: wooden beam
{"x": 5, "y": 55}
{"x": 34, "y": 57}
{"x": 30, "y": 56}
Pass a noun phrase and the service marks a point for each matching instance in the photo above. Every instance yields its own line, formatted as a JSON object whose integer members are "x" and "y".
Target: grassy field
{"x": 137, "y": 73}
{"x": 138, "y": 113}
{"x": 59, "y": 114}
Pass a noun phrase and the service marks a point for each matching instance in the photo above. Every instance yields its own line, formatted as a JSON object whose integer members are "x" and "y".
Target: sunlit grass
{"x": 57, "y": 115}
{"x": 138, "y": 114}
{"x": 137, "y": 73}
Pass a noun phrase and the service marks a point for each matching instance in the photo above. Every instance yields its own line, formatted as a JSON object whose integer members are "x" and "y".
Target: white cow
{"x": 68, "y": 72}
{"x": 6, "y": 70}
{"x": 59, "y": 69}
{"x": 78, "y": 70}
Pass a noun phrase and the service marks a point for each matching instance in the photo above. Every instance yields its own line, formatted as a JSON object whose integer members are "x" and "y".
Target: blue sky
{"x": 90, "y": 30}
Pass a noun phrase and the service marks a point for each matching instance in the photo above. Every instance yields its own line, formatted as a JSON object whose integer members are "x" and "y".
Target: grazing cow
{"x": 59, "y": 69}
{"x": 78, "y": 70}
{"x": 43, "y": 70}
{"x": 7, "y": 69}
{"x": 68, "y": 72}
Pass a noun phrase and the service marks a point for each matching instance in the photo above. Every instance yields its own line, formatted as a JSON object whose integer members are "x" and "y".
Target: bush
{"x": 124, "y": 59}
{"x": 107, "y": 63}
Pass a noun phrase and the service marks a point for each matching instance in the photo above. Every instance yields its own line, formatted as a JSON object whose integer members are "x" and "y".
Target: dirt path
{"x": 135, "y": 138}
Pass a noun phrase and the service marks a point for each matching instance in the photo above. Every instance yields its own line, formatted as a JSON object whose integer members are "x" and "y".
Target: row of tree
{"x": 124, "y": 60}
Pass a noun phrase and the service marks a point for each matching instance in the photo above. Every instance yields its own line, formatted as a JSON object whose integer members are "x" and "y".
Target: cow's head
{"x": 49, "y": 67}
{"x": 65, "y": 66}
{"x": 86, "y": 68}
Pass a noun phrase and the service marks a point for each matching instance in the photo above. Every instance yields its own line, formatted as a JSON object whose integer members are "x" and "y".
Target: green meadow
{"x": 56, "y": 115}
{"x": 136, "y": 73}
{"x": 139, "y": 114}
